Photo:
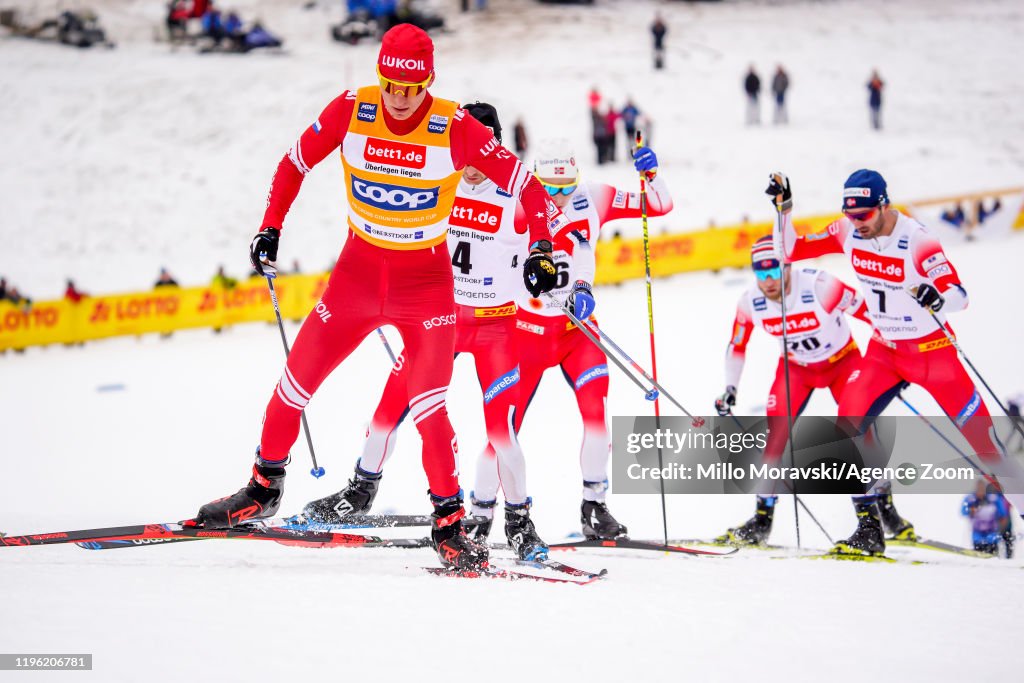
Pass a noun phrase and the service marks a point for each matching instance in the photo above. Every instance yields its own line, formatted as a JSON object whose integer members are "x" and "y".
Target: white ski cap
{"x": 556, "y": 159}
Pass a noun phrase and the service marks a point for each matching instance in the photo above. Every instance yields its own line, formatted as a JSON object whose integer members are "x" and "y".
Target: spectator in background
{"x": 3, "y": 288}
{"x": 178, "y": 15}
{"x": 630, "y": 116}
{"x": 658, "y": 30}
{"x": 258, "y": 37}
{"x": 165, "y": 279}
{"x": 982, "y": 213}
{"x": 752, "y": 86}
{"x": 521, "y": 142}
{"x": 600, "y": 134}
{"x": 990, "y": 519}
{"x": 875, "y": 86}
{"x": 233, "y": 27}
{"x": 222, "y": 279}
{"x": 955, "y": 216}
{"x": 780, "y": 84}
{"x": 1014, "y": 441}
{"x": 15, "y": 297}
{"x": 213, "y": 25}
{"x": 611, "y": 118}
{"x": 72, "y": 294}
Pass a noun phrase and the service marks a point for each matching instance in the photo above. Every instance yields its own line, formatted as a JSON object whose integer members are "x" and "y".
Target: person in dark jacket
{"x": 875, "y": 86}
{"x": 521, "y": 141}
{"x": 658, "y": 30}
{"x": 780, "y": 84}
{"x": 752, "y": 86}
{"x": 630, "y": 115}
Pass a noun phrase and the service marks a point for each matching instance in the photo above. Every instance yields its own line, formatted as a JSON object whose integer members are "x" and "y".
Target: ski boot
{"x": 481, "y": 509}
{"x": 261, "y": 497}
{"x": 356, "y": 498}
{"x": 754, "y": 531}
{"x": 454, "y": 548}
{"x": 1008, "y": 538}
{"x": 867, "y": 539}
{"x": 598, "y": 522}
{"x": 898, "y": 528}
{"x": 522, "y": 534}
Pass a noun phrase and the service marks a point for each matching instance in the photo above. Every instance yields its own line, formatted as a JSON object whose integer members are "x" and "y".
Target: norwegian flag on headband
{"x": 559, "y": 170}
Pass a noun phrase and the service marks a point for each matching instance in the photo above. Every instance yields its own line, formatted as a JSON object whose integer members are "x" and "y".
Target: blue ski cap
{"x": 864, "y": 189}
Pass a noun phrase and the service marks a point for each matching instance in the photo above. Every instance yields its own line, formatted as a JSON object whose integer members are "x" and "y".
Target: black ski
{"x": 630, "y": 544}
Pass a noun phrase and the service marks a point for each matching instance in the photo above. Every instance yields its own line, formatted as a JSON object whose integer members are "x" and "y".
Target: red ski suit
{"x": 394, "y": 268}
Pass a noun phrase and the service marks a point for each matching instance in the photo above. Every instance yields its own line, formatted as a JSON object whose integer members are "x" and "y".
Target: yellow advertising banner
{"x": 172, "y": 308}
{"x": 163, "y": 309}
{"x": 726, "y": 247}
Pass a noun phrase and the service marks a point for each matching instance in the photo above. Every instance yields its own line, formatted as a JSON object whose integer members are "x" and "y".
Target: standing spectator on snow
{"x": 752, "y": 86}
{"x": 600, "y": 135}
{"x": 658, "y": 30}
{"x": 165, "y": 279}
{"x": 875, "y": 86}
{"x": 3, "y": 288}
{"x": 611, "y": 118}
{"x": 630, "y": 116}
{"x": 521, "y": 142}
{"x": 72, "y": 294}
{"x": 780, "y": 84}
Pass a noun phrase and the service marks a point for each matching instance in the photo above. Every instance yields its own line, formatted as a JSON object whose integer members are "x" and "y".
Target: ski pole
{"x": 650, "y": 322}
{"x": 988, "y": 477}
{"x": 959, "y": 350}
{"x": 647, "y": 270}
{"x": 594, "y": 332}
{"x": 387, "y": 346}
{"x": 785, "y": 354}
{"x": 317, "y": 471}
{"x": 798, "y": 499}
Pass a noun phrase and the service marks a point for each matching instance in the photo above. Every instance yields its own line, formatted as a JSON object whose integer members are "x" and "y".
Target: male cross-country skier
{"x": 487, "y": 241}
{"x": 402, "y": 151}
{"x": 548, "y": 339}
{"x": 822, "y": 353}
{"x": 909, "y": 285}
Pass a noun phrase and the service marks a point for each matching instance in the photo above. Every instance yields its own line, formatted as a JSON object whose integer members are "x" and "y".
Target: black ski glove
{"x": 263, "y": 245}
{"x": 725, "y": 402}
{"x": 539, "y": 273}
{"x": 929, "y": 297}
{"x": 778, "y": 188}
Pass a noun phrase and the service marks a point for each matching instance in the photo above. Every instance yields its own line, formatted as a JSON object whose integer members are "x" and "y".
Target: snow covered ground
{"x": 122, "y": 161}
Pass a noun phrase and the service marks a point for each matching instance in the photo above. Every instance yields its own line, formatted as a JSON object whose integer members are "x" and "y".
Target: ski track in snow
{"x": 130, "y": 159}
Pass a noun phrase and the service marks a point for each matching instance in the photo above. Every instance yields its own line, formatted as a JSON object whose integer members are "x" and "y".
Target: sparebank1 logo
{"x": 394, "y": 197}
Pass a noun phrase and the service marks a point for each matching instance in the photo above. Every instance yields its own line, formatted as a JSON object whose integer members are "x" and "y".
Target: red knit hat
{"x": 406, "y": 54}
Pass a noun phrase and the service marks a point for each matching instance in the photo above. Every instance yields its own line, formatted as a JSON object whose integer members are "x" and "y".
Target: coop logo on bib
{"x": 367, "y": 112}
{"x": 877, "y": 266}
{"x": 394, "y": 197}
{"x": 437, "y": 124}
